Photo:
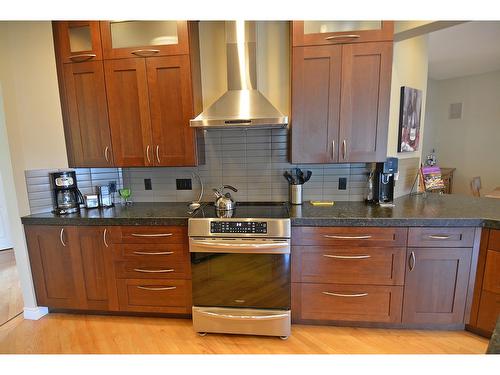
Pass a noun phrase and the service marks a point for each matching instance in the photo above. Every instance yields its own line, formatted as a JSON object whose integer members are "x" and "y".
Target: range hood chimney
{"x": 242, "y": 106}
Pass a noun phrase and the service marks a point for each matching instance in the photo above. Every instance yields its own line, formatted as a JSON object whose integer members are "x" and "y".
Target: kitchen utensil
{"x": 104, "y": 195}
{"x": 300, "y": 176}
{"x": 322, "y": 203}
{"x": 224, "y": 201}
{"x": 307, "y": 176}
{"x": 289, "y": 177}
{"x": 295, "y": 193}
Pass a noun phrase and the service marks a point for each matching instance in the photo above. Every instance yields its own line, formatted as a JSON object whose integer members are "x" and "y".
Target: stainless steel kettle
{"x": 224, "y": 201}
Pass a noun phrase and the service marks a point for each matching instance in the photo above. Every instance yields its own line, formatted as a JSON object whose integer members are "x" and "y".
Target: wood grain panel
{"x": 172, "y": 252}
{"x": 349, "y": 236}
{"x": 171, "y": 103}
{"x": 491, "y": 281}
{"x": 316, "y": 73}
{"x": 374, "y": 303}
{"x": 144, "y": 269}
{"x": 129, "y": 116}
{"x": 64, "y": 48}
{"x": 149, "y": 234}
{"x": 348, "y": 265}
{"x": 489, "y": 310}
{"x": 494, "y": 240}
{"x": 364, "y": 111}
{"x": 436, "y": 285}
{"x": 441, "y": 237}
{"x": 88, "y": 114}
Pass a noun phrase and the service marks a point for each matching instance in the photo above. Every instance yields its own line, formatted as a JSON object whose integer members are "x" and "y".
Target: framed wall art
{"x": 409, "y": 119}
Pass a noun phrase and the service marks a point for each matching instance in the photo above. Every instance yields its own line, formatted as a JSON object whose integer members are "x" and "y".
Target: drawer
{"x": 349, "y": 236}
{"x": 441, "y": 237}
{"x": 160, "y": 252}
{"x": 494, "y": 240}
{"x": 155, "y": 295}
{"x": 149, "y": 234}
{"x": 348, "y": 265}
{"x": 360, "y": 303}
{"x": 489, "y": 310}
{"x": 142, "y": 269}
{"x": 491, "y": 281}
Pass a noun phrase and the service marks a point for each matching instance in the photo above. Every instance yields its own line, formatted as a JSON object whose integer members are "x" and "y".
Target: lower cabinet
{"x": 96, "y": 268}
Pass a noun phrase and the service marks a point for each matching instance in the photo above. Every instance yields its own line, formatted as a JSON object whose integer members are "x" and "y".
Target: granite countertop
{"x": 420, "y": 210}
{"x": 494, "y": 345}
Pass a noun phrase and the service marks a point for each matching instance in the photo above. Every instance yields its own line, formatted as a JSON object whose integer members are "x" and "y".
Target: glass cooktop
{"x": 246, "y": 210}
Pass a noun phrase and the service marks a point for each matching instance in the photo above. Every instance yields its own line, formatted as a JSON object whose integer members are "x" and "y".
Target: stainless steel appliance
{"x": 105, "y": 197}
{"x": 224, "y": 201}
{"x": 241, "y": 270}
{"x": 67, "y": 197}
{"x": 384, "y": 179}
{"x": 91, "y": 200}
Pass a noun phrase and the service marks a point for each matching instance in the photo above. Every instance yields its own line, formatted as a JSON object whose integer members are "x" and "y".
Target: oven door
{"x": 245, "y": 273}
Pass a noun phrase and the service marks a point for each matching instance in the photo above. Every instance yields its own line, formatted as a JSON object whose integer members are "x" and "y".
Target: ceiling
{"x": 465, "y": 49}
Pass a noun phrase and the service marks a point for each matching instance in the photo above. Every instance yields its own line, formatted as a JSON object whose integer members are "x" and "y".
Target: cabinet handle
{"x": 145, "y": 52}
{"x": 333, "y": 149}
{"x": 61, "y": 234}
{"x": 147, "y": 155}
{"x": 152, "y": 235}
{"x": 347, "y": 256}
{"x": 156, "y": 288}
{"x": 412, "y": 261}
{"x": 153, "y": 253}
{"x": 104, "y": 237}
{"x": 350, "y": 36}
{"x": 158, "y": 153}
{"x": 82, "y": 57}
{"x": 345, "y": 295}
{"x": 347, "y": 237}
{"x": 154, "y": 271}
{"x": 106, "y": 151}
{"x": 438, "y": 237}
{"x": 344, "y": 149}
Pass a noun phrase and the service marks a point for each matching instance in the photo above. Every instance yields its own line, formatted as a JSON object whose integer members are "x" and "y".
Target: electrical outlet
{"x": 147, "y": 184}
{"x": 184, "y": 184}
{"x": 112, "y": 186}
{"x": 342, "y": 183}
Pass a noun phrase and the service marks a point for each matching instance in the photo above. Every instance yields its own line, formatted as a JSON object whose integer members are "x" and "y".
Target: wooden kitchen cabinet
{"x": 340, "y": 102}
{"x": 309, "y": 33}
{"x": 436, "y": 285}
{"x": 72, "y": 267}
{"x": 77, "y": 41}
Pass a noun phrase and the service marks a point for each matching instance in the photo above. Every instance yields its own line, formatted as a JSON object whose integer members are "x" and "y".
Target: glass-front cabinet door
{"x": 123, "y": 39}
{"x": 307, "y": 33}
{"x": 78, "y": 41}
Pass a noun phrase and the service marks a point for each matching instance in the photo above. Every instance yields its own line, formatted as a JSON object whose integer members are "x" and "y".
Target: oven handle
{"x": 244, "y": 317}
{"x": 242, "y": 247}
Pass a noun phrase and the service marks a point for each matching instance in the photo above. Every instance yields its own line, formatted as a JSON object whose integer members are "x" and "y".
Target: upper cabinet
{"x": 78, "y": 41}
{"x": 133, "y": 108}
{"x": 315, "y": 33}
{"x": 124, "y": 39}
{"x": 340, "y": 101}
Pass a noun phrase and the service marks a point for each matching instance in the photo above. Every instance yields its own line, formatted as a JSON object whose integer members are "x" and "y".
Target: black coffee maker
{"x": 383, "y": 184}
{"x": 67, "y": 197}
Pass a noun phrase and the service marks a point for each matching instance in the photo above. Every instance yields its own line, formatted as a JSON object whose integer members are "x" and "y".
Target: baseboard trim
{"x": 35, "y": 313}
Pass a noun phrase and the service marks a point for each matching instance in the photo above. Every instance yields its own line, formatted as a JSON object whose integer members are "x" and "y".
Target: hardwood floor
{"x": 11, "y": 299}
{"x": 67, "y": 333}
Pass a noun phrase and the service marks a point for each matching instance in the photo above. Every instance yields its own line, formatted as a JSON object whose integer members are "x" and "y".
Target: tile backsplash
{"x": 253, "y": 161}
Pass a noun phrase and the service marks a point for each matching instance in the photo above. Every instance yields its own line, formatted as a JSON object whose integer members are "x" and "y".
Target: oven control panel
{"x": 250, "y": 227}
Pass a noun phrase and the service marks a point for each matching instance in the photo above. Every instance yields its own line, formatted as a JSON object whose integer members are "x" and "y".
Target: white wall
{"x": 471, "y": 144}
{"x": 31, "y": 129}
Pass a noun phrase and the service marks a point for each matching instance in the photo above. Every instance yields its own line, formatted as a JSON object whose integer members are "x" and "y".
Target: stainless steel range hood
{"x": 242, "y": 106}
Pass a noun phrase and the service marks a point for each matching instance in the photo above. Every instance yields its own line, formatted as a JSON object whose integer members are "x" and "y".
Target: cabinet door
{"x": 309, "y": 33}
{"x": 128, "y": 106}
{"x": 364, "y": 113}
{"x": 56, "y": 266}
{"x": 78, "y": 41}
{"x": 436, "y": 285}
{"x": 125, "y": 39}
{"x": 171, "y": 103}
{"x": 315, "y": 104}
{"x": 96, "y": 256}
{"x": 87, "y": 120}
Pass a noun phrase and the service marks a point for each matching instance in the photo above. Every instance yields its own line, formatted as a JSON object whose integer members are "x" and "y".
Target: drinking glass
{"x": 125, "y": 193}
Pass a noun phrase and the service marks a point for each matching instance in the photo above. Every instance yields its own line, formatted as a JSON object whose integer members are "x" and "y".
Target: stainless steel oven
{"x": 241, "y": 275}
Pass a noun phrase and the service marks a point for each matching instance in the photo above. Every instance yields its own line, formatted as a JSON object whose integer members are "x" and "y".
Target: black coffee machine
{"x": 383, "y": 184}
{"x": 67, "y": 197}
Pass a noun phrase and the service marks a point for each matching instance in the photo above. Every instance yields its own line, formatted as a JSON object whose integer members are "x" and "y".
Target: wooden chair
{"x": 475, "y": 186}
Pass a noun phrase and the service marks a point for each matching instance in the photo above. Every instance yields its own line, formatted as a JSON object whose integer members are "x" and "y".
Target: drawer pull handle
{"x": 350, "y": 36}
{"x": 153, "y": 271}
{"x": 439, "y": 237}
{"x": 61, "y": 235}
{"x": 152, "y": 235}
{"x": 412, "y": 261}
{"x": 145, "y": 52}
{"x": 347, "y": 256}
{"x": 347, "y": 237}
{"x": 82, "y": 57}
{"x": 104, "y": 237}
{"x": 156, "y": 287}
{"x": 345, "y": 295}
{"x": 153, "y": 253}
